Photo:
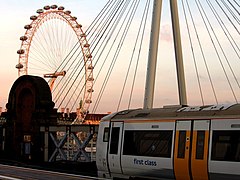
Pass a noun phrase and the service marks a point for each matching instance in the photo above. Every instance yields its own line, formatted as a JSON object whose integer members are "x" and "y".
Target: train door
{"x": 102, "y": 148}
{"x": 114, "y": 157}
{"x": 191, "y": 150}
{"x": 199, "y": 152}
{"x": 182, "y": 150}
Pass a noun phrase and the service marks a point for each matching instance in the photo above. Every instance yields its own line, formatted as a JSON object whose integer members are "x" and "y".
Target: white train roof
{"x": 179, "y": 112}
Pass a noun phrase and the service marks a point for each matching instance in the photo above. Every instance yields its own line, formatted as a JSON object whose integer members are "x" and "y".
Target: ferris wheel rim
{"x": 31, "y": 29}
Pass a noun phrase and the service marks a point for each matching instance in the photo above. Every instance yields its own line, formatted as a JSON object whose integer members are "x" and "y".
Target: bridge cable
{"x": 201, "y": 48}
{"x": 128, "y": 23}
{"x": 106, "y": 27}
{"x": 115, "y": 55}
{"x": 228, "y": 17}
{"x": 231, "y": 11}
{"x": 106, "y": 19}
{"x": 71, "y": 77}
{"x": 228, "y": 35}
{"x": 107, "y": 38}
{"x": 225, "y": 29}
{"x": 77, "y": 84}
{"x": 133, "y": 52}
{"x": 68, "y": 81}
{"x": 237, "y": 4}
{"x": 219, "y": 58}
{"x": 224, "y": 54}
{"x": 98, "y": 17}
{"x": 64, "y": 85}
{"x": 193, "y": 54}
{"x": 138, "y": 58}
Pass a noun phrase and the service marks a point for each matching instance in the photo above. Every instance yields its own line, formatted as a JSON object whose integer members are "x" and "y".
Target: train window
{"x": 114, "y": 140}
{"x": 226, "y": 146}
{"x": 200, "y": 144}
{"x": 181, "y": 144}
{"x": 105, "y": 134}
{"x": 148, "y": 143}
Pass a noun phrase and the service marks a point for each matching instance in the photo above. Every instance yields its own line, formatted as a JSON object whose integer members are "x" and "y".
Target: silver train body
{"x": 182, "y": 143}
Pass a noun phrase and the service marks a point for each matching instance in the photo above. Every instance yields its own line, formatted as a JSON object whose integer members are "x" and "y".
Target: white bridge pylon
{"x": 152, "y": 56}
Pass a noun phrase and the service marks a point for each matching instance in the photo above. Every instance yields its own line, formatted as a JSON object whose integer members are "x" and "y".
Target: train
{"x": 172, "y": 142}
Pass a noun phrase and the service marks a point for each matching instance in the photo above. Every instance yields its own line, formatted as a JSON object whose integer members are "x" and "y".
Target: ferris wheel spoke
{"x": 43, "y": 48}
{"x": 55, "y": 46}
{"x": 41, "y": 58}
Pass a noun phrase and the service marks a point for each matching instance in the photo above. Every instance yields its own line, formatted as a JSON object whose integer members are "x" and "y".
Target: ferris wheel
{"x": 55, "y": 47}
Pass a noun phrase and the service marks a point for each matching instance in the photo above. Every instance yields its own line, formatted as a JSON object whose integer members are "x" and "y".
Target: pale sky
{"x": 15, "y": 14}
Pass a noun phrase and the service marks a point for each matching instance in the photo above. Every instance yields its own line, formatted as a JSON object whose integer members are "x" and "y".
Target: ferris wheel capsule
{"x": 27, "y": 26}
{"x": 83, "y": 35}
{"x": 90, "y": 90}
{"x": 46, "y": 7}
{"x": 23, "y": 38}
{"x": 89, "y": 56}
{"x": 61, "y": 8}
{"x": 67, "y": 12}
{"x": 86, "y": 45}
{"x": 90, "y": 67}
{"x": 54, "y": 6}
{"x": 19, "y": 66}
{"x": 74, "y": 18}
{"x": 90, "y": 79}
{"x": 88, "y": 101}
{"x": 39, "y": 11}
{"x": 20, "y": 51}
{"x": 78, "y": 26}
{"x": 33, "y": 17}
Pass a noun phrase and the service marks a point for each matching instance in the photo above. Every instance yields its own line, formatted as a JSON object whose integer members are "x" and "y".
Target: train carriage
{"x": 172, "y": 142}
